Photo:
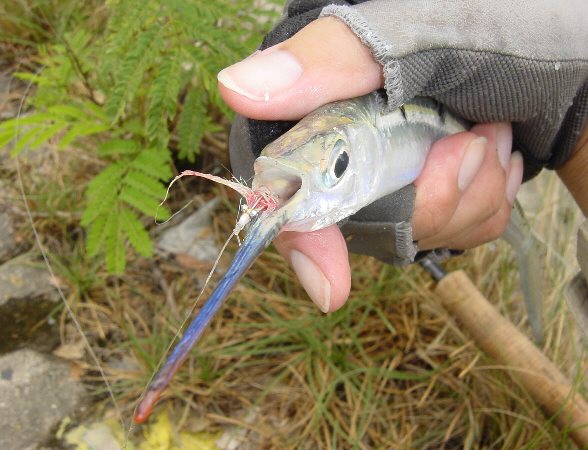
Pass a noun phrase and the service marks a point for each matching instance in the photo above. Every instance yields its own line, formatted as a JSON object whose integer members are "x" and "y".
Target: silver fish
{"x": 348, "y": 154}
{"x": 336, "y": 160}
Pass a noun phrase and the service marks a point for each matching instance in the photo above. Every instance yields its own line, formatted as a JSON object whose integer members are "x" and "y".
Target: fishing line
{"x": 157, "y": 222}
{"x": 48, "y": 265}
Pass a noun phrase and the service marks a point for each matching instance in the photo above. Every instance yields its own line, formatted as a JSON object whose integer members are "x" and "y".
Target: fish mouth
{"x": 281, "y": 179}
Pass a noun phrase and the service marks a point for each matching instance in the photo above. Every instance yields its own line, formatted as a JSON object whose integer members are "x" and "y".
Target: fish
{"x": 338, "y": 159}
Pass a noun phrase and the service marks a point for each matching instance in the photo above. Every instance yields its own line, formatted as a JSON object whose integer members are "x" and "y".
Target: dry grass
{"x": 389, "y": 370}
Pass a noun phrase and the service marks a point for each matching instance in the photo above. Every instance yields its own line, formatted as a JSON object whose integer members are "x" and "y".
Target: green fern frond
{"x": 81, "y": 129}
{"x": 132, "y": 183}
{"x": 23, "y": 140}
{"x": 114, "y": 244}
{"x": 126, "y": 22}
{"x": 29, "y": 136}
{"x": 6, "y": 137}
{"x": 37, "y": 118}
{"x": 132, "y": 68}
{"x": 117, "y": 147}
{"x": 191, "y": 125}
{"x": 102, "y": 193}
{"x": 105, "y": 181}
{"x": 45, "y": 133}
{"x": 153, "y": 162}
{"x": 96, "y": 233}
{"x": 135, "y": 232}
{"x": 34, "y": 78}
{"x": 136, "y": 198}
{"x": 68, "y": 110}
{"x": 163, "y": 99}
{"x": 99, "y": 206}
{"x": 73, "y": 120}
{"x": 146, "y": 184}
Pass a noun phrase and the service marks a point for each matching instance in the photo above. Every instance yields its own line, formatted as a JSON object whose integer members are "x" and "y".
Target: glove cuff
{"x": 383, "y": 229}
{"x": 381, "y": 50}
{"x": 389, "y": 242}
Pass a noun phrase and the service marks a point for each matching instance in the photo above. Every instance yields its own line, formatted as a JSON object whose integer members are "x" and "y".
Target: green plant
{"x": 26, "y": 24}
{"x": 150, "y": 75}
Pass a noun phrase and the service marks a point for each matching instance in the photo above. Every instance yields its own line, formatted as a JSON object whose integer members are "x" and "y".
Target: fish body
{"x": 347, "y": 154}
{"x": 338, "y": 159}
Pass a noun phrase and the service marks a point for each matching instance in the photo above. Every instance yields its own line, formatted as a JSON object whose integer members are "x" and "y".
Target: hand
{"x": 463, "y": 196}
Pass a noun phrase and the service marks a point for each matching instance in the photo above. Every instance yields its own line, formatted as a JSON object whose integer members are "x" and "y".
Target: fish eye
{"x": 341, "y": 164}
{"x": 338, "y": 163}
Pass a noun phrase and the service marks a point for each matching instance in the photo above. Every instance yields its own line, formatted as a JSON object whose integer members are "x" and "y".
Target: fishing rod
{"x": 500, "y": 339}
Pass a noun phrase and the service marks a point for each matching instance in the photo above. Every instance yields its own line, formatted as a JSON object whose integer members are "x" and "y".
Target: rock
{"x": 192, "y": 236}
{"x": 8, "y": 243}
{"x": 27, "y": 297}
{"x": 36, "y": 393}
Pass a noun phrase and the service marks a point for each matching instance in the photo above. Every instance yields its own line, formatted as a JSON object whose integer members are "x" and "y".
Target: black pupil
{"x": 341, "y": 164}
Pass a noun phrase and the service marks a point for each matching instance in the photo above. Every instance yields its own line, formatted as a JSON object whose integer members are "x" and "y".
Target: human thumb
{"x": 323, "y": 62}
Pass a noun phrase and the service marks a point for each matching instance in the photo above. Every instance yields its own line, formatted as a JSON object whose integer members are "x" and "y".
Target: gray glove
{"x": 524, "y": 62}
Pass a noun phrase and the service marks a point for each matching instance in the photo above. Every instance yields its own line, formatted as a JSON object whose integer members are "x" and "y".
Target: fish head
{"x": 318, "y": 170}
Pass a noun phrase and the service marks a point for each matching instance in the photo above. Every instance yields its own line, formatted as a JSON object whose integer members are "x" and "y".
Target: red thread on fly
{"x": 256, "y": 201}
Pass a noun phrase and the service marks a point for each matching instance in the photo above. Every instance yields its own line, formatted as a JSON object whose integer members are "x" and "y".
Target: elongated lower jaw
{"x": 261, "y": 233}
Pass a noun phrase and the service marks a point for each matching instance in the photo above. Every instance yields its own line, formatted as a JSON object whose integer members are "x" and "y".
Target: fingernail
{"x": 312, "y": 279}
{"x": 504, "y": 144}
{"x": 262, "y": 75}
{"x": 515, "y": 176}
{"x": 471, "y": 162}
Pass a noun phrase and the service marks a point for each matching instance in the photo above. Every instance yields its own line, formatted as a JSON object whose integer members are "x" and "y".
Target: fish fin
{"x": 527, "y": 249}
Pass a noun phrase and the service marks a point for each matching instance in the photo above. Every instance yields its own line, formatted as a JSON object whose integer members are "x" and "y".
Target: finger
{"x": 482, "y": 194}
{"x": 437, "y": 191}
{"x": 480, "y": 188}
{"x": 461, "y": 184}
{"x": 487, "y": 231}
{"x": 321, "y": 262}
{"x": 323, "y": 62}
{"x": 494, "y": 227}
